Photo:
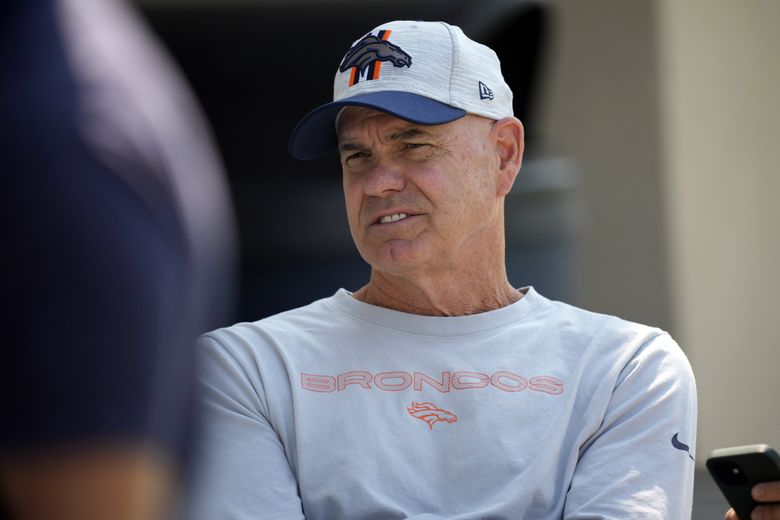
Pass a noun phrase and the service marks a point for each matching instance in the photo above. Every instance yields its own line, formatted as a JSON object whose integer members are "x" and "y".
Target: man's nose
{"x": 383, "y": 179}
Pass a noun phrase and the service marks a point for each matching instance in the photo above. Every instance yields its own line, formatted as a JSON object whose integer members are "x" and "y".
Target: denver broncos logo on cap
{"x": 365, "y": 57}
{"x": 430, "y": 413}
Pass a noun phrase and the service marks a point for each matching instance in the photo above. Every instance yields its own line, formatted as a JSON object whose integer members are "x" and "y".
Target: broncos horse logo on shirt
{"x": 430, "y": 413}
{"x": 367, "y": 55}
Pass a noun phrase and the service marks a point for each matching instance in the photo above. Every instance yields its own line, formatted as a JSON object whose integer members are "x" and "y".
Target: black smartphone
{"x": 736, "y": 470}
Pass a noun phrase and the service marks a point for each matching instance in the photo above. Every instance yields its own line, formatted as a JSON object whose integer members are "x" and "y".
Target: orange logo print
{"x": 430, "y": 413}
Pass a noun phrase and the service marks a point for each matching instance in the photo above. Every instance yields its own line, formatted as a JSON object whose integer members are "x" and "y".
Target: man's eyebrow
{"x": 410, "y": 133}
{"x": 350, "y": 147}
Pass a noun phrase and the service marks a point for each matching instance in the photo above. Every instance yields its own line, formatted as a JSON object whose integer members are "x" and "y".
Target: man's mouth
{"x": 395, "y": 217}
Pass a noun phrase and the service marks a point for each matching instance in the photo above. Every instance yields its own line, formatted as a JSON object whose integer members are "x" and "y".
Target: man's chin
{"x": 397, "y": 259}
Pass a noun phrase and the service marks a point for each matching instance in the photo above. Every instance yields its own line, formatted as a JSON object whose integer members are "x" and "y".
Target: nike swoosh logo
{"x": 681, "y": 446}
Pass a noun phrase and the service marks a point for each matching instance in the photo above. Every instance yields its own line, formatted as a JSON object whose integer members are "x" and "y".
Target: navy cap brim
{"x": 315, "y": 134}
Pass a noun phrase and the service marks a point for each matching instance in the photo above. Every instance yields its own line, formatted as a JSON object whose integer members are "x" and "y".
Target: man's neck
{"x": 444, "y": 295}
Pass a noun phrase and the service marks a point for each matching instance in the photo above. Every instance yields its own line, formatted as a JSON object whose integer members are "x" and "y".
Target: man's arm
{"x": 639, "y": 464}
{"x": 241, "y": 470}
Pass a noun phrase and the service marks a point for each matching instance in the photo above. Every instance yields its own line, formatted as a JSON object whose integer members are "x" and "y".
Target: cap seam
{"x": 455, "y": 58}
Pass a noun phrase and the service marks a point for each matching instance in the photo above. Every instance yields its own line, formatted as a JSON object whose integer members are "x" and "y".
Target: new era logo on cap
{"x": 484, "y": 91}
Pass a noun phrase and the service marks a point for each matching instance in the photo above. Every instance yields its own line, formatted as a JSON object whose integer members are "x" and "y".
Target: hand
{"x": 766, "y": 492}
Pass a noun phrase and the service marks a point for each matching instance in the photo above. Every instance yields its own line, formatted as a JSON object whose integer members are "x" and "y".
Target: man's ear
{"x": 510, "y": 144}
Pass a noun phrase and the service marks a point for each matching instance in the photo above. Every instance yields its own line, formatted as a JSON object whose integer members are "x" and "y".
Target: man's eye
{"x": 357, "y": 155}
{"x": 413, "y": 146}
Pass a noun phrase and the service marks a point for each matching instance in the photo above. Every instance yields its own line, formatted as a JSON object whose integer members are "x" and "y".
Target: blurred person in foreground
{"x": 117, "y": 241}
{"x": 437, "y": 390}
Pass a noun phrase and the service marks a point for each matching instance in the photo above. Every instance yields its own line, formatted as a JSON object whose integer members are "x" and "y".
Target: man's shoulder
{"x": 308, "y": 320}
{"x": 589, "y": 323}
{"x": 616, "y": 348}
{"x": 318, "y": 313}
{"x": 610, "y": 334}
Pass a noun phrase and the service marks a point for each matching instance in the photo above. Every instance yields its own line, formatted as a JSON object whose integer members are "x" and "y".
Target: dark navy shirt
{"x": 116, "y": 236}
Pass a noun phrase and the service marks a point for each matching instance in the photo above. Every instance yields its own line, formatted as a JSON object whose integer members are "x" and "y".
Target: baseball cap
{"x": 428, "y": 73}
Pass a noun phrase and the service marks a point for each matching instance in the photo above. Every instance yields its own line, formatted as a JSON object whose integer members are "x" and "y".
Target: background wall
{"x": 720, "y": 85}
{"x": 672, "y": 111}
{"x": 601, "y": 109}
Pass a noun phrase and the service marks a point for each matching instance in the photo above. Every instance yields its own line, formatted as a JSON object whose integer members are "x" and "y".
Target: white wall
{"x": 672, "y": 110}
{"x": 600, "y": 108}
{"x": 720, "y": 88}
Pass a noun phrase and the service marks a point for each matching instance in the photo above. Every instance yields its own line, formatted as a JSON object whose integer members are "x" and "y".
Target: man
{"x": 438, "y": 390}
{"x": 117, "y": 251}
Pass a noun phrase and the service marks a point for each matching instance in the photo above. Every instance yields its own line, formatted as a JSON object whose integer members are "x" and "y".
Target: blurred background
{"x": 648, "y": 189}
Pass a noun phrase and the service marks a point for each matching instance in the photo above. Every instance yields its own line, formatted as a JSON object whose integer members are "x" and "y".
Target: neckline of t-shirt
{"x": 438, "y": 325}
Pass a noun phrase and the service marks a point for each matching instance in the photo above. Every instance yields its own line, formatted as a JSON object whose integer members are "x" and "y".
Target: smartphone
{"x": 736, "y": 470}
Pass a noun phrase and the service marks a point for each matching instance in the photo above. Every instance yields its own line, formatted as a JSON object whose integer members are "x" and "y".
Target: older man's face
{"x": 418, "y": 197}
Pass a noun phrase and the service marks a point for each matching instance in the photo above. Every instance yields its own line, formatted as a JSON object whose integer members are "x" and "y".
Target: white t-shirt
{"x": 538, "y": 410}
